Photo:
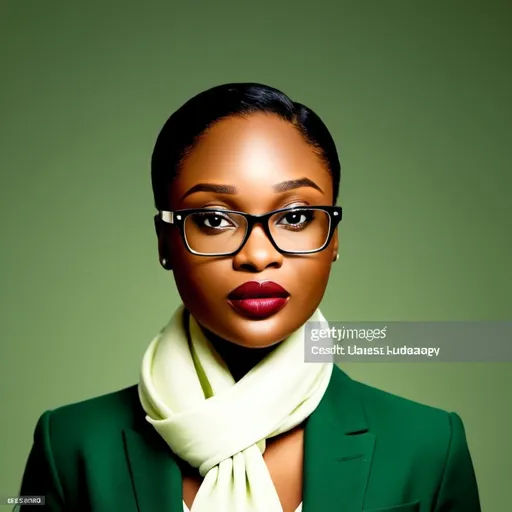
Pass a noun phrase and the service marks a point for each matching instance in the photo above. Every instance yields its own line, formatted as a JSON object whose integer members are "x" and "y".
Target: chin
{"x": 250, "y": 332}
{"x": 260, "y": 333}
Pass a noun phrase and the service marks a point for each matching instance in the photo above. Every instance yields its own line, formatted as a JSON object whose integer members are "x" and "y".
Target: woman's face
{"x": 250, "y": 156}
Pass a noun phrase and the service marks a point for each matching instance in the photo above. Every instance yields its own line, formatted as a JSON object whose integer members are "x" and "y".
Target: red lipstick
{"x": 258, "y": 299}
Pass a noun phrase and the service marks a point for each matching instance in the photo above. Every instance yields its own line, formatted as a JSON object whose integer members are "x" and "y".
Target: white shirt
{"x": 186, "y": 509}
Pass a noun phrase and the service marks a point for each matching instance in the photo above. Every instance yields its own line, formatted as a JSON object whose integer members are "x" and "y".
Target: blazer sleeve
{"x": 458, "y": 491}
{"x": 40, "y": 477}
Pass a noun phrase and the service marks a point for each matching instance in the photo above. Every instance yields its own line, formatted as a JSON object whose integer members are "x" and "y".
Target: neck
{"x": 240, "y": 360}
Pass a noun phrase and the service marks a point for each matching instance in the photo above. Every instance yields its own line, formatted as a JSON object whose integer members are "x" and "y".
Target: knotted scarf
{"x": 220, "y": 426}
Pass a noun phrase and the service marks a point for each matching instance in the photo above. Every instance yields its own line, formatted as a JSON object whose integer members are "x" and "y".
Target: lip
{"x": 258, "y": 299}
{"x": 258, "y": 290}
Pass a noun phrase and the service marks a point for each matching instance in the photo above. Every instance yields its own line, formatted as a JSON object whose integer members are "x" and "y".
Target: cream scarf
{"x": 220, "y": 426}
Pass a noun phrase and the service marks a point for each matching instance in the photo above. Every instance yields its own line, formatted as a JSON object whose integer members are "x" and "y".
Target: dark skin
{"x": 251, "y": 155}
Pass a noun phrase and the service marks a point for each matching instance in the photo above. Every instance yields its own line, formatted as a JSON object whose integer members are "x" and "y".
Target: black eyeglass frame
{"x": 178, "y": 217}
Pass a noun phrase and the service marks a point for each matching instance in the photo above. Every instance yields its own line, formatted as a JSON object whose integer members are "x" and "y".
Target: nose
{"x": 258, "y": 253}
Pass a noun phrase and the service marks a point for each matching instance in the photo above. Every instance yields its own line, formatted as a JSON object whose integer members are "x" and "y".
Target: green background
{"x": 418, "y": 97}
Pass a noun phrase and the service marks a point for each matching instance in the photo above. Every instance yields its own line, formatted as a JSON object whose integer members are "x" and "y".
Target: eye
{"x": 213, "y": 220}
{"x": 296, "y": 219}
{"x": 216, "y": 221}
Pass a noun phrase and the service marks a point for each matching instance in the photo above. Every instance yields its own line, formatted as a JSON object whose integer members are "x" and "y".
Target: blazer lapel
{"x": 156, "y": 477}
{"x": 338, "y": 450}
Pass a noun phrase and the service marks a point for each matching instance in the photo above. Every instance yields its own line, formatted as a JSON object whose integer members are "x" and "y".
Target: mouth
{"x": 258, "y": 299}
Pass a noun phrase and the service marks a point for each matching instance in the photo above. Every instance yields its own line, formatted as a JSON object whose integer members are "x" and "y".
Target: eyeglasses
{"x": 297, "y": 230}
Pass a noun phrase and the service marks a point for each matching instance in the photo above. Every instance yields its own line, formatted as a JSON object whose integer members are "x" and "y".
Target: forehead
{"x": 252, "y": 154}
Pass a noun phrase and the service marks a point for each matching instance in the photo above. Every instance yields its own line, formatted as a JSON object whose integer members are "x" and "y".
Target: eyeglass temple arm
{"x": 167, "y": 216}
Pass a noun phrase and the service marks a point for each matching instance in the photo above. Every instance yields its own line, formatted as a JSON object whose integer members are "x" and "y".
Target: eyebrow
{"x": 284, "y": 186}
{"x": 210, "y": 187}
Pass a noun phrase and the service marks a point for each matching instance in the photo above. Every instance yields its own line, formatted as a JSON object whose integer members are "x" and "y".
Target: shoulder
{"x": 101, "y": 416}
{"x": 402, "y": 423}
{"x": 384, "y": 409}
{"x": 114, "y": 407}
{"x": 424, "y": 442}
{"x": 66, "y": 437}
{"x": 418, "y": 434}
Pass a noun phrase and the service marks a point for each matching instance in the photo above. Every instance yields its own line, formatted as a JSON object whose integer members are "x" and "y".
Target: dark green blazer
{"x": 364, "y": 450}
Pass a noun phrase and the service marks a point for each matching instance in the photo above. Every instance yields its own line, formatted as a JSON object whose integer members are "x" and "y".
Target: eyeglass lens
{"x": 216, "y": 232}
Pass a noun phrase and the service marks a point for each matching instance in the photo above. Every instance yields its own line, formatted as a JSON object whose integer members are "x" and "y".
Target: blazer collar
{"x": 338, "y": 450}
{"x": 337, "y": 455}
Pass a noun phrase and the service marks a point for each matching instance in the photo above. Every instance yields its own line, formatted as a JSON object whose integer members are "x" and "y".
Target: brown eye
{"x": 213, "y": 220}
{"x": 296, "y": 219}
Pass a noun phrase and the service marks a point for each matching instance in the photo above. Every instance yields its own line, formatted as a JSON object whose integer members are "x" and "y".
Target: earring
{"x": 337, "y": 256}
{"x": 163, "y": 261}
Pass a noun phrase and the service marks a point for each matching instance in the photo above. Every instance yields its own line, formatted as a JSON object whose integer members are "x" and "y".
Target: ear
{"x": 335, "y": 246}
{"x": 163, "y": 249}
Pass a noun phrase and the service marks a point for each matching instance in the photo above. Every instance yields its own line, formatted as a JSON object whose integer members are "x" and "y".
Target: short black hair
{"x": 192, "y": 120}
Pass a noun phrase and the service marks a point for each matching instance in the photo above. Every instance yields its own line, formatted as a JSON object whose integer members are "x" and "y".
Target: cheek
{"x": 312, "y": 273}
{"x": 200, "y": 282}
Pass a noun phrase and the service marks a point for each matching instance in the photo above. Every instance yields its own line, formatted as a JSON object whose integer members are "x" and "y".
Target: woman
{"x": 227, "y": 416}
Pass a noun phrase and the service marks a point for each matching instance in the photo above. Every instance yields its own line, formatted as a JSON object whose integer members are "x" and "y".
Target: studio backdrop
{"x": 417, "y": 96}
